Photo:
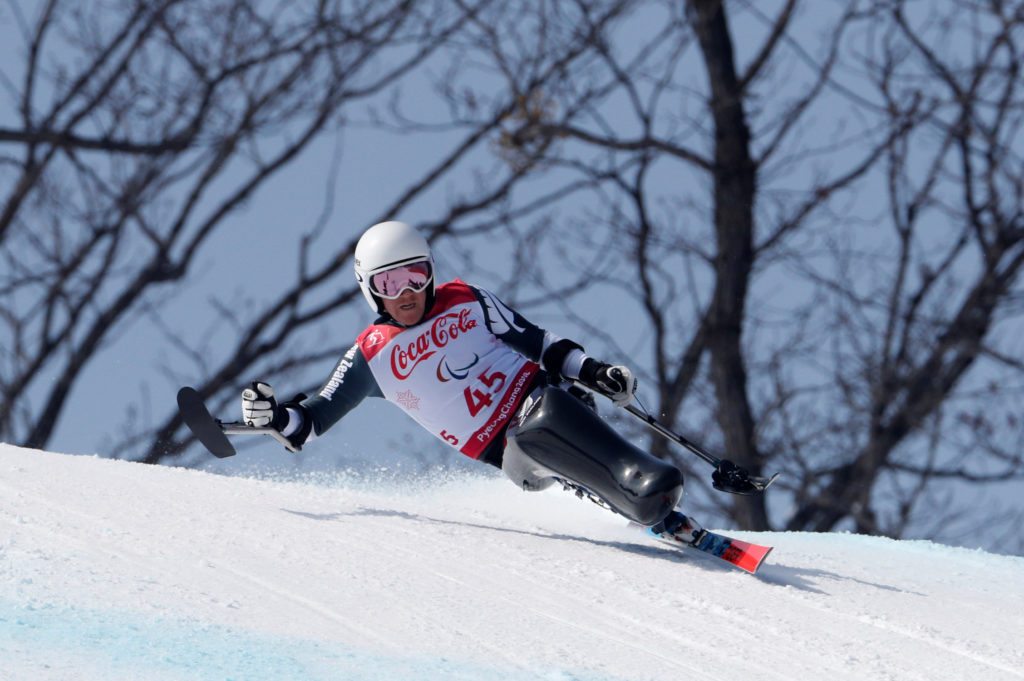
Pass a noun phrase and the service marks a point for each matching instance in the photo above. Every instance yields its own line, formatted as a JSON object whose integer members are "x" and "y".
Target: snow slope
{"x": 112, "y": 570}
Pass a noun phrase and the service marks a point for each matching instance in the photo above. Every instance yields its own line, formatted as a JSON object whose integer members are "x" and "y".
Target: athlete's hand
{"x": 260, "y": 408}
{"x": 614, "y": 381}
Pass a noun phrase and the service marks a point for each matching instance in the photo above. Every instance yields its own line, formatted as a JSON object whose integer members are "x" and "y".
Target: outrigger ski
{"x": 213, "y": 432}
{"x": 678, "y": 530}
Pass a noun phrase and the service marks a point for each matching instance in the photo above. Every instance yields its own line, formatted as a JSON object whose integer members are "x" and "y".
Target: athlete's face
{"x": 408, "y": 308}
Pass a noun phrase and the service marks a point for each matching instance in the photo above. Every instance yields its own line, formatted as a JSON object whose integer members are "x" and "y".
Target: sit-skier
{"x": 486, "y": 381}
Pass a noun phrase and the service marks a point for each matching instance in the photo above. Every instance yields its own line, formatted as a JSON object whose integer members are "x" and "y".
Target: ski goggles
{"x": 391, "y": 283}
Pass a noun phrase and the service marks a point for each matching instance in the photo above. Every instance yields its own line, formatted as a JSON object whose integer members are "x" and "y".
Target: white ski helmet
{"x": 387, "y": 245}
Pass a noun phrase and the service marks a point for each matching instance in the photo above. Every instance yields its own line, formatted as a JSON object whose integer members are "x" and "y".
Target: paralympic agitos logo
{"x": 405, "y": 358}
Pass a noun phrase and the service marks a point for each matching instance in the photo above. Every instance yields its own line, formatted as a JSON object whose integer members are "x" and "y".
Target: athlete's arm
{"x": 348, "y": 385}
{"x": 559, "y": 356}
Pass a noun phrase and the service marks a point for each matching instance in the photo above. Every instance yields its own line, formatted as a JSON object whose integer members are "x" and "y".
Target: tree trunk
{"x": 734, "y": 187}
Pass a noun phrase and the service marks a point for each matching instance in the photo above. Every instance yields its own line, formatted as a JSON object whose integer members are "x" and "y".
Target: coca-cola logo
{"x": 444, "y": 329}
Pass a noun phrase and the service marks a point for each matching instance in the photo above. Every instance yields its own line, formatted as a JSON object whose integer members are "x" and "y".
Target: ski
{"x": 743, "y": 555}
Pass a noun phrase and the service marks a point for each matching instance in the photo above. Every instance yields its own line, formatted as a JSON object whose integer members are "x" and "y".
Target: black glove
{"x": 729, "y": 477}
{"x": 616, "y": 382}
{"x": 260, "y": 409}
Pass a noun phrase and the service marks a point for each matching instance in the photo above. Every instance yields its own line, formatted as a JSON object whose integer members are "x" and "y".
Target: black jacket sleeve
{"x": 526, "y": 338}
{"x": 349, "y": 384}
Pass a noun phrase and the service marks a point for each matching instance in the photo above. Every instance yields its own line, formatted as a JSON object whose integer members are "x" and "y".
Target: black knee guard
{"x": 559, "y": 437}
